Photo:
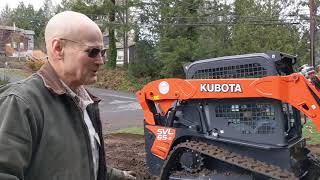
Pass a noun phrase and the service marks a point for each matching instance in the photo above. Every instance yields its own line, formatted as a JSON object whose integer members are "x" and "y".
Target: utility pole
{"x": 312, "y": 8}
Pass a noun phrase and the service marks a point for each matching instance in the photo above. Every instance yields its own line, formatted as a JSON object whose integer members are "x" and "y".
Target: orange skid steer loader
{"x": 234, "y": 117}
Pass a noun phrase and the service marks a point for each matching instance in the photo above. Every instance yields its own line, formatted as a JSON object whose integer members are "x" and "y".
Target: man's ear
{"x": 57, "y": 48}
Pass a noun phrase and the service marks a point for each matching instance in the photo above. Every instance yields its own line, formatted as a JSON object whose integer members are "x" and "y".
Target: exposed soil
{"x": 315, "y": 149}
{"x": 127, "y": 152}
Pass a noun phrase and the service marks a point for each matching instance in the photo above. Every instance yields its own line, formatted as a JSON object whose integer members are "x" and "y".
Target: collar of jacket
{"x": 52, "y": 81}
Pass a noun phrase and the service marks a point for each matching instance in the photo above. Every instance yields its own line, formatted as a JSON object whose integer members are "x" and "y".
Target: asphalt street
{"x": 118, "y": 109}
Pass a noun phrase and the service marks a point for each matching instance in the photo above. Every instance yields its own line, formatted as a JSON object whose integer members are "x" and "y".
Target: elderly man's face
{"x": 82, "y": 58}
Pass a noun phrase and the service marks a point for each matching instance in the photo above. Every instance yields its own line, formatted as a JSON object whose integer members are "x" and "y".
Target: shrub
{"x": 35, "y": 65}
{"x": 119, "y": 79}
{"x": 110, "y": 79}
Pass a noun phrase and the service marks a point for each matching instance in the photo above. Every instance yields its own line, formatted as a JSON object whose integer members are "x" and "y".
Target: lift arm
{"x": 293, "y": 89}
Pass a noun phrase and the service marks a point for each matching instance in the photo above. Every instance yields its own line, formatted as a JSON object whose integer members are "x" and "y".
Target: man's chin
{"x": 90, "y": 81}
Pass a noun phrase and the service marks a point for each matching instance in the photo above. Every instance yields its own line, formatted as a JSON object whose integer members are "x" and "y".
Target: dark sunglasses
{"x": 92, "y": 52}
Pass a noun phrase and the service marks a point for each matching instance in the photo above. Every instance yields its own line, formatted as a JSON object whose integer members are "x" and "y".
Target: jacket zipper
{"x": 89, "y": 149}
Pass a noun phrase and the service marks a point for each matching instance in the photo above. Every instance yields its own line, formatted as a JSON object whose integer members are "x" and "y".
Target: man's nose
{"x": 100, "y": 59}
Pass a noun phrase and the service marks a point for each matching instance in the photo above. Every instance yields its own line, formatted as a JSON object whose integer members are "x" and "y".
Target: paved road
{"x": 117, "y": 109}
{"x": 12, "y": 74}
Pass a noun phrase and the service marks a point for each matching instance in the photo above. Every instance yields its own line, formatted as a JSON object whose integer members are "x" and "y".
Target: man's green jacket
{"x": 43, "y": 135}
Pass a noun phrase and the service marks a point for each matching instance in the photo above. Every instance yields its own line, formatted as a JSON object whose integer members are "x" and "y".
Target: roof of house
{"x": 11, "y": 28}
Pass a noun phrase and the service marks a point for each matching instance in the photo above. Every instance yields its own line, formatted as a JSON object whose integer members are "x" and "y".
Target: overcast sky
{"x": 36, "y": 3}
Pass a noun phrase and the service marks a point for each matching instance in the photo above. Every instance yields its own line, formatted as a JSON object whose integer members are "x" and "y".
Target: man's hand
{"x": 129, "y": 175}
{"x": 117, "y": 174}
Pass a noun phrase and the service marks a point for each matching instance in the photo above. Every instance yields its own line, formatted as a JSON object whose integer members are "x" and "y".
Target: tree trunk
{"x": 112, "y": 51}
{"x": 125, "y": 38}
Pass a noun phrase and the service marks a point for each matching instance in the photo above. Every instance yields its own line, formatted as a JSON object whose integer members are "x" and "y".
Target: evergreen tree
{"x": 22, "y": 16}
{"x": 214, "y": 37}
{"x": 260, "y": 26}
{"x": 5, "y": 15}
{"x": 144, "y": 64}
{"x": 178, "y": 34}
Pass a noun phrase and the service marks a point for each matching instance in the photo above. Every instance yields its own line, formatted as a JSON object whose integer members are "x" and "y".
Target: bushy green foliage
{"x": 310, "y": 132}
{"x": 177, "y": 44}
{"x": 144, "y": 63}
{"x": 119, "y": 79}
{"x": 132, "y": 84}
{"x": 35, "y": 65}
{"x": 173, "y": 53}
{"x": 191, "y": 30}
{"x": 265, "y": 30}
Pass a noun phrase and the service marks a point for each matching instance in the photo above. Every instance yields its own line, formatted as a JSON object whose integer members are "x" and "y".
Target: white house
{"x": 120, "y": 50}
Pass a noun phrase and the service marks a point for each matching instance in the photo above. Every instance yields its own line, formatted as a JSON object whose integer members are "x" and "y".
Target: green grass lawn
{"x": 310, "y": 133}
{"x": 133, "y": 130}
{"x": 14, "y": 72}
{"x": 3, "y": 81}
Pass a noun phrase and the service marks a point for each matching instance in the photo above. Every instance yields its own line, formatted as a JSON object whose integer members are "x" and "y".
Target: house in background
{"x": 120, "y": 50}
{"x": 16, "y": 42}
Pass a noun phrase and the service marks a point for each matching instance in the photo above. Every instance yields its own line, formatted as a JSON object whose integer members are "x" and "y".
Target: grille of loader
{"x": 249, "y": 118}
{"x": 253, "y": 70}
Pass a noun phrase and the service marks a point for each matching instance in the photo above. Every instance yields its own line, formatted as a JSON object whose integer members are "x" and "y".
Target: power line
{"x": 248, "y": 21}
{"x": 219, "y": 15}
{"x": 196, "y": 6}
{"x": 210, "y": 24}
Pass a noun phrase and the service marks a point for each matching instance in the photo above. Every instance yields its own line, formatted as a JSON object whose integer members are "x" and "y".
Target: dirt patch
{"x": 315, "y": 149}
{"x": 127, "y": 152}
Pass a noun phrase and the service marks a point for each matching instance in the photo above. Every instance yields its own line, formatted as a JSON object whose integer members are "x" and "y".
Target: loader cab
{"x": 254, "y": 121}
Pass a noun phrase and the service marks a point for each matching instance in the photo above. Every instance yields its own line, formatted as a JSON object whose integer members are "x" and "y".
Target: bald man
{"x": 49, "y": 123}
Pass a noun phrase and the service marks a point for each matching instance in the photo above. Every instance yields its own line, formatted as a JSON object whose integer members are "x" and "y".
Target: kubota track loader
{"x": 234, "y": 117}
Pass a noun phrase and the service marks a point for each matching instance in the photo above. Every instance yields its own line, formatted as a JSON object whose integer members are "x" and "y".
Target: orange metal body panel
{"x": 143, "y": 103}
{"x": 293, "y": 89}
{"x": 164, "y": 138}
